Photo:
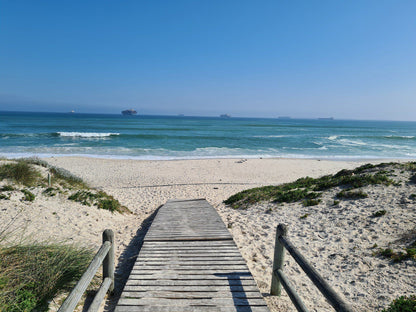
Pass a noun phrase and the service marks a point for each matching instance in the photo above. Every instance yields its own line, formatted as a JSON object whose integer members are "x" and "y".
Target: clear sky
{"x": 312, "y": 58}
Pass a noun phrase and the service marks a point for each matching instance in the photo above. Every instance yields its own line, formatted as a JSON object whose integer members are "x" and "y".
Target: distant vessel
{"x": 129, "y": 112}
{"x": 326, "y": 118}
{"x": 225, "y": 116}
{"x": 284, "y": 117}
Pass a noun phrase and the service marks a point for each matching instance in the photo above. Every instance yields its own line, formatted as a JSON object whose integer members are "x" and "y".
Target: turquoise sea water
{"x": 163, "y": 137}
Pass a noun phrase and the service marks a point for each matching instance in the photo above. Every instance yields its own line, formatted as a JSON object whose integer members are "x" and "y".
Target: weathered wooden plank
{"x": 187, "y": 220}
{"x": 195, "y": 272}
{"x": 198, "y": 257}
{"x": 187, "y": 288}
{"x": 190, "y": 302}
{"x": 163, "y": 262}
{"x": 195, "y": 243}
{"x": 180, "y": 283}
{"x": 191, "y": 309}
{"x": 189, "y": 262}
{"x": 174, "y": 294}
{"x": 190, "y": 266}
{"x": 189, "y": 277}
{"x": 196, "y": 248}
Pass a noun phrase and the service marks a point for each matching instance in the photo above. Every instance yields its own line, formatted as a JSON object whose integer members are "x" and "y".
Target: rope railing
{"x": 104, "y": 256}
{"x": 279, "y": 278}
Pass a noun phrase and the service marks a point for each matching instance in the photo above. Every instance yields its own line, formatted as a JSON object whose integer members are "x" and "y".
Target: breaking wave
{"x": 87, "y": 134}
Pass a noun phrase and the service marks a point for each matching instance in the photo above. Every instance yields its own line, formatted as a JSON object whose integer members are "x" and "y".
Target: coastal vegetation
{"x": 31, "y": 274}
{"x": 336, "y": 191}
{"x": 349, "y": 183}
{"x": 37, "y": 176}
{"x": 402, "y": 304}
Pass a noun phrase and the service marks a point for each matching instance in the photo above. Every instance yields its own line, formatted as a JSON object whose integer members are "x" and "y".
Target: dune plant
{"x": 28, "y": 195}
{"x": 100, "y": 199}
{"x": 20, "y": 172}
{"x": 308, "y": 189}
{"x": 402, "y": 304}
{"x": 350, "y": 194}
{"x": 31, "y": 274}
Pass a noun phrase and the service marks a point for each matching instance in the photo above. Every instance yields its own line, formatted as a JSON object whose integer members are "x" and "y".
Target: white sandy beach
{"x": 337, "y": 240}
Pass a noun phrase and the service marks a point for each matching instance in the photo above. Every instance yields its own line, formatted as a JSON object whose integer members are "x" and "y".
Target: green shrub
{"x": 348, "y": 194}
{"x": 84, "y": 197}
{"x": 410, "y": 253}
{"x": 311, "y": 202}
{"x": 310, "y": 188}
{"x": 50, "y": 191}
{"x": 379, "y": 213}
{"x": 20, "y": 172}
{"x": 7, "y": 188}
{"x": 28, "y": 195}
{"x": 295, "y": 195}
{"x": 66, "y": 178}
{"x": 109, "y": 204}
{"x": 402, "y": 304}
{"x": 100, "y": 199}
{"x": 3, "y": 196}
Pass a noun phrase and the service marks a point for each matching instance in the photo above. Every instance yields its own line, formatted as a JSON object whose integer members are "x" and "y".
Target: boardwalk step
{"x": 189, "y": 262}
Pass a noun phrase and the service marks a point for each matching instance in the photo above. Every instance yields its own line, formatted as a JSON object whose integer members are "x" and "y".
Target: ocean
{"x": 171, "y": 137}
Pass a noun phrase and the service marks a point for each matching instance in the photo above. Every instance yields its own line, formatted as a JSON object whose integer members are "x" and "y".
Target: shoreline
{"x": 46, "y": 156}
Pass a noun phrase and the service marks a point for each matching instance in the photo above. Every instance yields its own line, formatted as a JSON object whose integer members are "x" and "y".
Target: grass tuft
{"x": 402, "y": 304}
{"x": 310, "y": 202}
{"x": 408, "y": 253}
{"x": 349, "y": 194}
{"x": 20, "y": 172}
{"x": 100, "y": 199}
{"x": 32, "y": 274}
{"x": 66, "y": 178}
{"x": 28, "y": 195}
{"x": 7, "y": 188}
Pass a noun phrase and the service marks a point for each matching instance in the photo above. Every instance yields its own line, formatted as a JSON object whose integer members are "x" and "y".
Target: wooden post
{"x": 49, "y": 180}
{"x": 108, "y": 262}
{"x": 278, "y": 260}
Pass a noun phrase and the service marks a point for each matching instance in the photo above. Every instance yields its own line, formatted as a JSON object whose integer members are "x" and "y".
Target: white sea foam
{"x": 352, "y": 142}
{"x": 87, "y": 134}
{"x": 333, "y": 137}
{"x": 400, "y": 136}
{"x": 270, "y": 136}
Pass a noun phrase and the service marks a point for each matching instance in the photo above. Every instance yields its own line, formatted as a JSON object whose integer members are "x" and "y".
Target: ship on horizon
{"x": 129, "y": 112}
{"x": 225, "y": 116}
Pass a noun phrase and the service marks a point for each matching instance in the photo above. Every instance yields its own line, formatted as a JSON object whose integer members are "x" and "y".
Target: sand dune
{"x": 337, "y": 239}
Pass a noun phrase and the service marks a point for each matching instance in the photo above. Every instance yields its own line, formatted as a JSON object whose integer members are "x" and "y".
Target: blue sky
{"x": 346, "y": 59}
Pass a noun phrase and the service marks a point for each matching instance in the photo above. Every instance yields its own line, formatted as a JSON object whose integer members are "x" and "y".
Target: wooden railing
{"x": 104, "y": 256}
{"x": 279, "y": 278}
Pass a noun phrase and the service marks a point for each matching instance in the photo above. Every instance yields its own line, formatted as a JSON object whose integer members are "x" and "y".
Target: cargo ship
{"x": 129, "y": 112}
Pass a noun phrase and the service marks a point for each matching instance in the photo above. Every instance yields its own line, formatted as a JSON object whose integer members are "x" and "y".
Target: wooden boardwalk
{"x": 189, "y": 262}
